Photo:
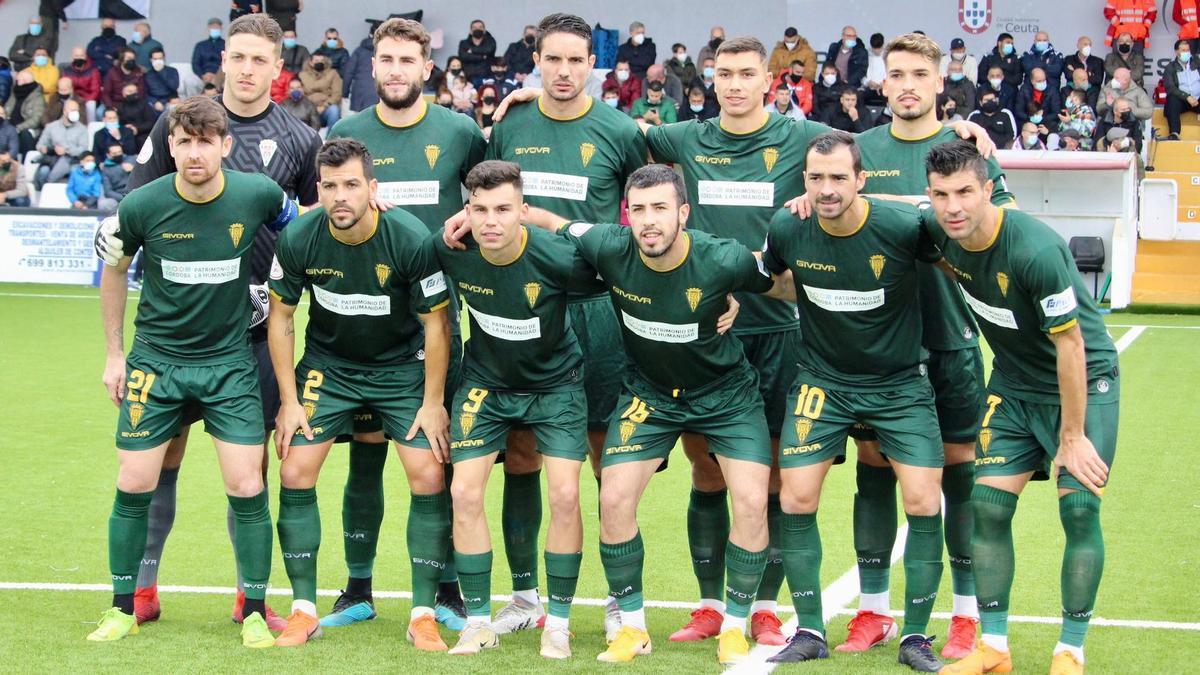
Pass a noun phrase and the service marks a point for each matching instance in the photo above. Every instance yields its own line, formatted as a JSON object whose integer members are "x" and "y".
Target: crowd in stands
{"x": 1028, "y": 96}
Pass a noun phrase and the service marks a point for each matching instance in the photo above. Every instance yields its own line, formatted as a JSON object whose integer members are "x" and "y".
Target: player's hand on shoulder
{"x": 455, "y": 229}
{"x": 800, "y": 206}
{"x": 114, "y": 378}
{"x": 109, "y": 247}
{"x": 517, "y": 97}
{"x": 290, "y": 419}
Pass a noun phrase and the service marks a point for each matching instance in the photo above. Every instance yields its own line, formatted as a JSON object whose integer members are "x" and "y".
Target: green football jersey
{"x": 518, "y": 313}
{"x": 1023, "y": 286}
{"x": 420, "y": 167}
{"x": 735, "y": 183}
{"x": 896, "y": 166}
{"x": 669, "y": 319}
{"x": 196, "y": 262}
{"x": 857, "y": 295}
{"x": 365, "y": 296}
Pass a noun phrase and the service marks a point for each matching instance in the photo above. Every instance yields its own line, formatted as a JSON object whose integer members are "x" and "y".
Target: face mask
{"x": 108, "y": 32}
{"x": 696, "y": 107}
{"x": 996, "y": 82}
{"x": 1030, "y": 141}
{"x": 110, "y": 161}
{"x": 829, "y": 80}
{"x": 89, "y": 166}
{"x": 319, "y": 67}
{"x": 1041, "y": 45}
{"x": 639, "y": 38}
{"x": 1124, "y": 48}
{"x": 1086, "y": 51}
{"x": 1116, "y": 84}
{"x": 73, "y": 116}
{"x": 960, "y": 56}
{"x": 477, "y": 33}
{"x": 489, "y": 100}
{"x": 136, "y": 38}
{"x": 714, "y": 43}
{"x": 990, "y": 106}
{"x": 1071, "y": 105}
{"x": 296, "y": 94}
{"x": 112, "y": 126}
{"x": 1083, "y": 87}
{"x": 132, "y": 98}
{"x": 453, "y": 71}
{"x": 35, "y": 29}
{"x": 681, "y": 57}
{"x": 612, "y": 102}
{"x": 1007, "y": 49}
{"x": 158, "y": 64}
{"x": 796, "y": 78}
{"x": 498, "y": 74}
{"x": 41, "y": 60}
{"x": 790, "y": 45}
{"x": 1185, "y": 57}
{"x": 956, "y": 77}
{"x": 289, "y": 43}
{"x": 622, "y": 75}
{"x": 1040, "y": 86}
{"x": 79, "y": 63}
{"x": 214, "y": 33}
{"x": 331, "y": 43}
{"x": 849, "y": 43}
{"x": 127, "y": 65}
{"x": 950, "y": 112}
{"x": 1036, "y": 119}
{"x": 709, "y": 72}
{"x": 529, "y": 40}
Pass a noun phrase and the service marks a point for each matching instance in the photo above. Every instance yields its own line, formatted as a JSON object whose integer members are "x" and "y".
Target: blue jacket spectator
{"x": 1004, "y": 57}
{"x": 6, "y": 78}
{"x": 206, "y": 56}
{"x": 9, "y": 137}
{"x": 143, "y": 45}
{"x": 1043, "y": 55}
{"x": 357, "y": 82}
{"x": 1007, "y": 94}
{"x": 102, "y": 47}
{"x": 856, "y": 66}
{"x": 638, "y": 51}
{"x": 83, "y": 183}
{"x": 1048, "y": 101}
{"x": 114, "y": 133}
{"x": 336, "y": 51}
{"x": 161, "y": 85}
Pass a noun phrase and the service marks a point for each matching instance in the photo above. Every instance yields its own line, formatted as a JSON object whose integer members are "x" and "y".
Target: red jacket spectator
{"x": 630, "y": 90}
{"x": 802, "y": 91}
{"x": 1129, "y": 16}
{"x": 279, "y": 88}
{"x": 86, "y": 80}
{"x": 1185, "y": 14}
{"x": 115, "y": 81}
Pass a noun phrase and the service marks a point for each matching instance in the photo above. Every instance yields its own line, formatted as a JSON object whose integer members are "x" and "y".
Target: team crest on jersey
{"x": 975, "y": 16}
{"x": 770, "y": 156}
{"x": 532, "y": 290}
{"x": 135, "y": 414}
{"x": 586, "y": 152}
{"x": 235, "y": 233}
{"x": 310, "y": 409}
{"x": 382, "y": 272}
{"x": 1002, "y": 281}
{"x": 627, "y": 428}
{"x": 693, "y": 297}
{"x": 266, "y": 150}
{"x": 1102, "y": 386}
{"x": 877, "y": 262}
{"x": 985, "y": 440}
{"x": 466, "y": 421}
{"x": 803, "y": 427}
{"x": 432, "y": 152}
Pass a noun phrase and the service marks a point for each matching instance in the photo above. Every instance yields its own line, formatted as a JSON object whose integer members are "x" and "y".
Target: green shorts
{"x": 336, "y": 398}
{"x": 728, "y": 412}
{"x": 820, "y": 419}
{"x": 595, "y": 325}
{"x": 159, "y": 395}
{"x": 480, "y": 420}
{"x": 1019, "y": 436}
{"x": 773, "y": 356}
{"x": 365, "y": 421}
{"x": 959, "y": 393}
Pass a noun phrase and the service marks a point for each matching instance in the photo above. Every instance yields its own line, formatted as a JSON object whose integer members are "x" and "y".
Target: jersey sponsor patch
{"x": 513, "y": 330}
{"x": 836, "y": 300}
{"x": 998, "y": 315}
{"x": 409, "y": 192}
{"x": 560, "y": 185}
{"x": 433, "y": 284}
{"x": 1060, "y": 303}
{"x": 661, "y": 332}
{"x": 353, "y": 304}
{"x": 735, "y": 193}
{"x": 201, "y": 271}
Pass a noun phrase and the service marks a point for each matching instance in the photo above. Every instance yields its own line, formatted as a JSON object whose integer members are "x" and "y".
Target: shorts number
{"x": 474, "y": 400}
{"x": 139, "y": 386}
{"x": 315, "y": 379}
{"x": 993, "y": 401}
{"x": 809, "y": 402}
{"x": 637, "y": 411}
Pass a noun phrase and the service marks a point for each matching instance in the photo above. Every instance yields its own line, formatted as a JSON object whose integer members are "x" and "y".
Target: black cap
{"x": 655, "y": 86}
{"x": 791, "y": 32}
{"x": 957, "y": 43}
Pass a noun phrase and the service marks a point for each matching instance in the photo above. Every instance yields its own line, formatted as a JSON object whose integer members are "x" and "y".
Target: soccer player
{"x": 269, "y": 140}
{"x": 893, "y": 157}
{"x": 522, "y": 366}
{"x": 422, "y": 155}
{"x": 854, "y": 270}
{"x": 1053, "y": 397}
{"x": 368, "y": 274}
{"x": 196, "y": 230}
{"x": 575, "y": 155}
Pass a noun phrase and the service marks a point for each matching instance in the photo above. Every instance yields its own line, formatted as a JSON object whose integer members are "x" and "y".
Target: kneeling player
{"x": 1052, "y": 398}
{"x": 368, "y": 273}
{"x": 523, "y": 366}
{"x": 196, "y": 229}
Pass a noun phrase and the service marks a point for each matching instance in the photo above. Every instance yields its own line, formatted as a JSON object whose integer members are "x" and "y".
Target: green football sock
{"x": 800, "y": 539}
{"x": 362, "y": 506}
{"x": 253, "y": 541}
{"x": 1083, "y": 563}
{"x": 158, "y": 526}
{"x": 562, "y": 576}
{"x": 127, "y": 538}
{"x": 957, "y": 481}
{"x": 427, "y": 524}
{"x": 299, "y": 527}
{"x": 450, "y": 573}
{"x": 922, "y": 571}
{"x": 623, "y": 568}
{"x": 992, "y": 555}
{"x": 874, "y": 526}
{"x": 708, "y": 532}
{"x": 521, "y": 520}
{"x": 743, "y": 574}
{"x": 475, "y": 579}
{"x": 772, "y": 577}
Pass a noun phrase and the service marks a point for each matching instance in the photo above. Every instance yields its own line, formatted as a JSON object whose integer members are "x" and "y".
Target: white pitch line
{"x": 1130, "y": 335}
{"x": 57, "y": 296}
{"x": 1131, "y": 325}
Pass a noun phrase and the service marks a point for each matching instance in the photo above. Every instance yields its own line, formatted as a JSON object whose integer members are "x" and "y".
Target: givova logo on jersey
{"x": 975, "y": 16}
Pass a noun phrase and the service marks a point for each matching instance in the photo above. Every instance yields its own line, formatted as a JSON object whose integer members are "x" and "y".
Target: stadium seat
{"x": 1088, "y": 253}
{"x": 54, "y": 196}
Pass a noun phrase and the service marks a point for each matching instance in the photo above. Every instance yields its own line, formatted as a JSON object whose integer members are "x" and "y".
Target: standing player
{"x": 522, "y": 366}
{"x": 894, "y": 159}
{"x": 575, "y": 155}
{"x": 1053, "y": 398}
{"x": 268, "y": 140}
{"x": 196, "y": 230}
{"x": 368, "y": 273}
{"x": 422, "y": 155}
{"x": 854, "y": 270}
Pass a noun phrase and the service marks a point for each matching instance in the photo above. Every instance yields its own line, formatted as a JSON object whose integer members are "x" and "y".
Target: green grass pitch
{"x": 59, "y": 468}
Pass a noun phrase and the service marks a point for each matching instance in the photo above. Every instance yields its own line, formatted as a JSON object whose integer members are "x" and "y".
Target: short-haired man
{"x": 197, "y": 232}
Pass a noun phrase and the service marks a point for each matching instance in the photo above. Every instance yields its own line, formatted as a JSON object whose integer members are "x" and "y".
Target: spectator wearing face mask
{"x": 62, "y": 143}
{"x": 1043, "y": 120}
{"x": 1124, "y": 56}
{"x": 793, "y": 47}
{"x": 486, "y": 108}
{"x": 958, "y": 88}
{"x": 850, "y": 57}
{"x": 1135, "y": 17}
{"x": 1006, "y": 94}
{"x": 948, "y": 109}
{"x": 872, "y": 89}
{"x": 64, "y": 92}
{"x": 958, "y": 53}
{"x": 1119, "y": 130}
{"x": 1122, "y": 86}
{"x": 672, "y": 86}
{"x": 323, "y": 86}
{"x": 332, "y": 48}
{"x": 358, "y": 84}
{"x": 1037, "y": 92}
{"x": 800, "y": 89}
{"x": 610, "y": 96}
{"x": 477, "y": 51}
{"x": 294, "y": 54}
{"x": 1081, "y": 83}
{"x": 708, "y": 71}
{"x": 680, "y": 64}
{"x": 143, "y": 44}
{"x": 206, "y": 55}
{"x": 783, "y": 103}
{"x": 85, "y": 80}
{"x": 709, "y": 51}
{"x": 126, "y": 72}
{"x": 25, "y": 108}
{"x": 102, "y": 47}
{"x": 14, "y": 183}
{"x": 655, "y": 107}
{"x": 113, "y": 133}
{"x": 827, "y": 92}
{"x": 629, "y": 86}
{"x": 1182, "y": 81}
{"x": 1004, "y": 57}
{"x": 462, "y": 93}
{"x": 1078, "y": 117}
{"x": 519, "y": 55}
{"x": 850, "y": 115}
{"x": 500, "y": 79}
{"x": 697, "y": 106}
{"x": 26, "y": 44}
{"x": 638, "y": 51}
{"x": 1084, "y": 60}
{"x": 1043, "y": 55}
{"x": 997, "y": 121}
{"x": 1029, "y": 139}
{"x": 114, "y": 173}
{"x": 162, "y": 81}
{"x": 136, "y": 114}
{"x": 298, "y": 104}
{"x": 44, "y": 72}
{"x": 85, "y": 187}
